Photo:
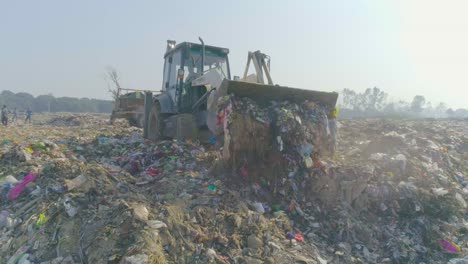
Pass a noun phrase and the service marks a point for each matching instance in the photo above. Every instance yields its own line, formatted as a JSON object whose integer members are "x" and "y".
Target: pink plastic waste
{"x": 18, "y": 189}
{"x": 449, "y": 246}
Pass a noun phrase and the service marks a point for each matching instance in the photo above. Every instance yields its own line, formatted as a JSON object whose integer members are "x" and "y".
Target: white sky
{"x": 403, "y": 47}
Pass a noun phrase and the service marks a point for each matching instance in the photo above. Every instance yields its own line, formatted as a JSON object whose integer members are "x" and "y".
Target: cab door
{"x": 171, "y": 66}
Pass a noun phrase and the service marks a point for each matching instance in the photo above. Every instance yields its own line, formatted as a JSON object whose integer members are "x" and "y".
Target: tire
{"x": 132, "y": 122}
{"x": 155, "y": 123}
{"x": 112, "y": 118}
{"x": 136, "y": 121}
{"x": 140, "y": 121}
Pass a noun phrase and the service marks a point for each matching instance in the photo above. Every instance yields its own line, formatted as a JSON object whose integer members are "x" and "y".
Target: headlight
{"x": 180, "y": 73}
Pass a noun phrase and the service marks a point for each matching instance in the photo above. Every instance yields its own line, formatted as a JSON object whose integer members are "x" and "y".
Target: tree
{"x": 48, "y": 103}
{"x": 374, "y": 99}
{"x": 450, "y": 112}
{"x": 418, "y": 103}
{"x": 113, "y": 82}
{"x": 43, "y": 103}
{"x": 402, "y": 106}
{"x": 441, "y": 108}
{"x": 389, "y": 108}
{"x": 349, "y": 98}
{"x": 461, "y": 113}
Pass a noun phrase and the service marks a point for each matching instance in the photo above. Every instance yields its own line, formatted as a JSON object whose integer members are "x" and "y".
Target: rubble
{"x": 103, "y": 194}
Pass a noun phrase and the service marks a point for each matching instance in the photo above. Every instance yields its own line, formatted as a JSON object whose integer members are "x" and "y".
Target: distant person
{"x": 28, "y": 115}
{"x": 14, "y": 118}
{"x": 5, "y": 115}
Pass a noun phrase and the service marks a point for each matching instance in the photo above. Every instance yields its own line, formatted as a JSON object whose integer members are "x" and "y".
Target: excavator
{"x": 196, "y": 76}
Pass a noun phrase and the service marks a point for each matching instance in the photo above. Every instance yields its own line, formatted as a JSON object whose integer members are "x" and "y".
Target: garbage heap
{"x": 102, "y": 194}
{"x": 69, "y": 119}
{"x": 267, "y": 143}
{"x": 404, "y": 190}
{"x": 394, "y": 192}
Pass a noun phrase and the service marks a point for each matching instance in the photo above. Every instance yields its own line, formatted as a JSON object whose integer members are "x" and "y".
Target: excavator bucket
{"x": 263, "y": 94}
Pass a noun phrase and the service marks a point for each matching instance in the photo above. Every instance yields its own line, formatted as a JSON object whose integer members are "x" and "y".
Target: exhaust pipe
{"x": 203, "y": 54}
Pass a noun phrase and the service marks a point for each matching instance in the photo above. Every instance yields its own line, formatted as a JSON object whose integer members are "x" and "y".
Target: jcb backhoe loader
{"x": 195, "y": 76}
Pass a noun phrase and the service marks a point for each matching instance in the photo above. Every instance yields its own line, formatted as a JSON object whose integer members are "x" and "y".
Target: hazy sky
{"x": 404, "y": 47}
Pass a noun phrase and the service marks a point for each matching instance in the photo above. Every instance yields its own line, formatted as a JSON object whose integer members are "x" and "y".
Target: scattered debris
{"x": 393, "y": 192}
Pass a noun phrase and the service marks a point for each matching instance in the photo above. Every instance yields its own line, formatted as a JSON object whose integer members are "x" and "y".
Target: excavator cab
{"x": 181, "y": 108}
{"x": 183, "y": 64}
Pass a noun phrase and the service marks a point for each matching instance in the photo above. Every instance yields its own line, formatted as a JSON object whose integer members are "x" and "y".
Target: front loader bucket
{"x": 263, "y": 94}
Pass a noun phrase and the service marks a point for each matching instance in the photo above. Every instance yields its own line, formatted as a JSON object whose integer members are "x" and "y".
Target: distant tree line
{"x": 374, "y": 102}
{"x": 49, "y": 103}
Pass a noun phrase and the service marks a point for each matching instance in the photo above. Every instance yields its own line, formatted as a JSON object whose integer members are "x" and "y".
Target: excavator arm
{"x": 261, "y": 64}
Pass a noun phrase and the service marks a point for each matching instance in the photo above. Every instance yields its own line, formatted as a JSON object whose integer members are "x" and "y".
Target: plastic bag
{"x": 18, "y": 189}
{"x": 450, "y": 246}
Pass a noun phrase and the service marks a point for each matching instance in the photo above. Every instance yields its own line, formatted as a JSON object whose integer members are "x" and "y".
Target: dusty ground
{"x": 395, "y": 192}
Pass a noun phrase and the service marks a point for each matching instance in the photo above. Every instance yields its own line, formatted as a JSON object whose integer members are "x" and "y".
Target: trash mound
{"x": 121, "y": 199}
{"x": 65, "y": 121}
{"x": 103, "y": 194}
{"x": 75, "y": 120}
{"x": 411, "y": 206}
{"x": 286, "y": 135}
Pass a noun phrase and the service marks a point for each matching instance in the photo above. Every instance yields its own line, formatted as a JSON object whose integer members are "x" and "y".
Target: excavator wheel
{"x": 112, "y": 118}
{"x": 140, "y": 120}
{"x": 136, "y": 121}
{"x": 155, "y": 123}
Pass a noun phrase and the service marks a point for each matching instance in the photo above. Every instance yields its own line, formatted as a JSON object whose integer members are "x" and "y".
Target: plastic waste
{"x": 137, "y": 259}
{"x": 299, "y": 237}
{"x": 450, "y": 246}
{"x": 36, "y": 192}
{"x": 140, "y": 212}
{"x": 296, "y": 236}
{"x": 71, "y": 211}
{"x": 24, "y": 259}
{"x": 377, "y": 156}
{"x": 211, "y": 254}
{"x": 103, "y": 140}
{"x": 460, "y": 200}
{"x": 75, "y": 182}
{"x": 10, "y": 179}
{"x": 153, "y": 171}
{"x": 122, "y": 187}
{"x": 213, "y": 140}
{"x": 244, "y": 172}
{"x": 305, "y": 150}
{"x": 3, "y": 218}
{"x": 336, "y": 111}
{"x": 402, "y": 160}
{"x": 439, "y": 191}
{"x": 308, "y": 162}
{"x": 4, "y": 190}
{"x": 41, "y": 221}
{"x": 326, "y": 124}
{"x": 156, "y": 224}
{"x": 18, "y": 189}
{"x": 259, "y": 207}
{"x": 18, "y": 255}
{"x": 56, "y": 189}
{"x": 279, "y": 140}
{"x": 332, "y": 123}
